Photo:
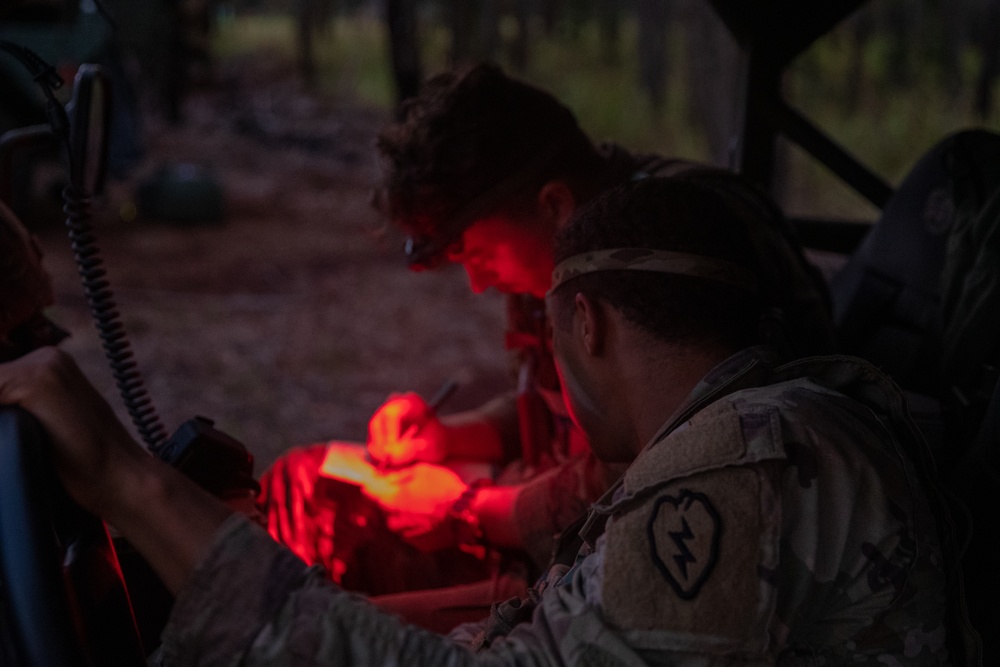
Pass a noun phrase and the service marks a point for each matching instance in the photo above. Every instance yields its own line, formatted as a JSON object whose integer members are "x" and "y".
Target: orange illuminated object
{"x": 422, "y": 488}
{"x": 327, "y": 501}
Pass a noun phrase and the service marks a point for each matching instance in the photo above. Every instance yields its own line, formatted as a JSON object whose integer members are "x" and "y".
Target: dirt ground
{"x": 293, "y": 319}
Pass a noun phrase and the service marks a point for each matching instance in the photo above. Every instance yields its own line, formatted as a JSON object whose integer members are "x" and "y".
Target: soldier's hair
{"x": 469, "y": 131}
{"x": 665, "y": 214}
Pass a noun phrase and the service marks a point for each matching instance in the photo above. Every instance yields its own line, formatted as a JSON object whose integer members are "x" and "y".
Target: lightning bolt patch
{"x": 684, "y": 535}
{"x": 683, "y": 555}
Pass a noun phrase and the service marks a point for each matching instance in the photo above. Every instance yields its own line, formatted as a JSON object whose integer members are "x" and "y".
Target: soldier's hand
{"x": 91, "y": 450}
{"x": 404, "y": 430}
{"x": 169, "y": 519}
{"x": 416, "y": 501}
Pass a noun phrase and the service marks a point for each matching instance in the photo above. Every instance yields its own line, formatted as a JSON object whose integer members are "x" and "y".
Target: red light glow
{"x": 422, "y": 488}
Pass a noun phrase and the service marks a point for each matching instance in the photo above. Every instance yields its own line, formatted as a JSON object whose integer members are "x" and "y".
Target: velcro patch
{"x": 687, "y": 559}
{"x": 713, "y": 437}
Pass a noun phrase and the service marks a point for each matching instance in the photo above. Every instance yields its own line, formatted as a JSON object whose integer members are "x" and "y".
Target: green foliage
{"x": 254, "y": 33}
{"x": 353, "y": 63}
{"x": 886, "y": 124}
{"x": 883, "y": 121}
{"x": 607, "y": 98}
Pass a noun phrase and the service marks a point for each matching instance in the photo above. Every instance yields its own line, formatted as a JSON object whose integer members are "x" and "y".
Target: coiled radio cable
{"x": 107, "y": 319}
{"x": 85, "y": 141}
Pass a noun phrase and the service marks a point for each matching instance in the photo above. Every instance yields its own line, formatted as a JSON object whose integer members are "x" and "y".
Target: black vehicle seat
{"x": 886, "y": 299}
{"x": 920, "y": 298}
{"x": 900, "y": 296}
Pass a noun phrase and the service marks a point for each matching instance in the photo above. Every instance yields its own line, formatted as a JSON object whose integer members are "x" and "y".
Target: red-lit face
{"x": 513, "y": 256}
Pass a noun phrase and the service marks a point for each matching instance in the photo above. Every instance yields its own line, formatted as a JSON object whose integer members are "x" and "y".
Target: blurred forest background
{"x": 658, "y": 75}
{"x": 654, "y": 75}
{"x": 264, "y": 292}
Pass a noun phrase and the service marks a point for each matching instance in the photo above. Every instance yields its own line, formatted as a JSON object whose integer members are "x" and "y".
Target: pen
{"x": 442, "y": 395}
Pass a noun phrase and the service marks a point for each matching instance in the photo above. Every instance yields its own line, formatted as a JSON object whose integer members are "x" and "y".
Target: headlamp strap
{"x": 655, "y": 261}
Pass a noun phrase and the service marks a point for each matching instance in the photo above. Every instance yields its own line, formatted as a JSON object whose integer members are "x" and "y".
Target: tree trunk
{"x": 990, "y": 50}
{"x": 488, "y": 30}
{"x": 474, "y": 30}
{"x": 462, "y": 26}
{"x": 898, "y": 23}
{"x": 304, "y": 11}
{"x": 551, "y": 11}
{"x": 861, "y": 31}
{"x": 520, "y": 49}
{"x": 954, "y": 19}
{"x": 401, "y": 16}
{"x": 713, "y": 74}
{"x": 653, "y": 16}
{"x": 609, "y": 17}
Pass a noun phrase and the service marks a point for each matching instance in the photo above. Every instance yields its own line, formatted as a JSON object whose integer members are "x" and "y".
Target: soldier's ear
{"x": 557, "y": 202}
{"x": 589, "y": 323}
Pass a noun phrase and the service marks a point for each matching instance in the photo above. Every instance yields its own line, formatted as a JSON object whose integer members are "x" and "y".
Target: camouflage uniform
{"x": 777, "y": 518}
{"x": 795, "y": 319}
{"x": 562, "y": 477}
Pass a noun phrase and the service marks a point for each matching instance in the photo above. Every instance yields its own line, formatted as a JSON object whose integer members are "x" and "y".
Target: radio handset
{"x": 218, "y": 462}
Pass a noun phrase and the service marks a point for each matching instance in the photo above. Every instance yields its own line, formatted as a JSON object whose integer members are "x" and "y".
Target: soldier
{"x": 483, "y": 170}
{"x": 25, "y": 291}
{"x": 775, "y": 513}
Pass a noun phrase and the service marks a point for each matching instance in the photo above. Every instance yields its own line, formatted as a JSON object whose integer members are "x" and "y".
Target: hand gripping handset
{"x": 217, "y": 462}
{"x": 39, "y": 525}
{"x": 213, "y": 459}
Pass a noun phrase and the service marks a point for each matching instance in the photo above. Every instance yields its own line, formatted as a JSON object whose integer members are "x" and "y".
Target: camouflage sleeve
{"x": 551, "y": 501}
{"x": 501, "y": 413}
{"x": 683, "y": 567}
{"x": 860, "y": 554}
{"x": 664, "y": 585}
{"x": 774, "y": 536}
{"x": 781, "y": 533}
{"x": 251, "y": 603}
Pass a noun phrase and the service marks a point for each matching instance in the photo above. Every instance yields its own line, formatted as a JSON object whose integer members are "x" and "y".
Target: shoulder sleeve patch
{"x": 683, "y": 533}
{"x": 688, "y": 560}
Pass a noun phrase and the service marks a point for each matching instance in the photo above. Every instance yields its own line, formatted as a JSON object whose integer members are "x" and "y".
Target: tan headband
{"x": 656, "y": 261}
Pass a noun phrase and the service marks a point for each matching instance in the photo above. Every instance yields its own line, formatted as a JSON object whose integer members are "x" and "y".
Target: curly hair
{"x": 468, "y": 133}
{"x": 665, "y": 214}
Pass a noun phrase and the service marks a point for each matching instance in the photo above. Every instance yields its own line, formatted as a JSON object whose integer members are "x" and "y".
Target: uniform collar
{"x": 744, "y": 369}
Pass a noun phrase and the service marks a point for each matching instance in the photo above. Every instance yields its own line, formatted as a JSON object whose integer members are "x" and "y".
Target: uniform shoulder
{"x": 744, "y": 427}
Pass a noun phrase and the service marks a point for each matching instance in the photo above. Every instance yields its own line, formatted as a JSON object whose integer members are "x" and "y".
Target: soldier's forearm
{"x": 473, "y": 437}
{"x": 168, "y": 518}
{"x": 287, "y": 614}
{"x": 487, "y": 433}
{"x": 494, "y": 508}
